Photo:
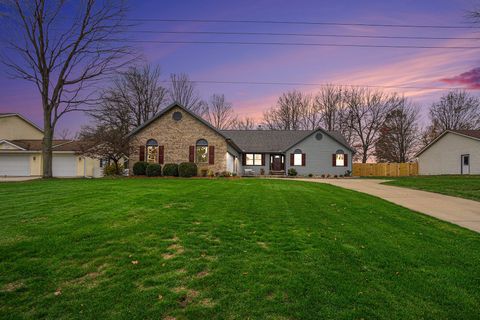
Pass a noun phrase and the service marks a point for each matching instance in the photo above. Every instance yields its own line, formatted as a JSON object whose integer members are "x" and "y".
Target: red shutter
{"x": 334, "y": 158}
{"x": 304, "y": 160}
{"x": 244, "y": 159}
{"x": 211, "y": 155}
{"x": 345, "y": 159}
{"x": 141, "y": 153}
{"x": 161, "y": 154}
{"x": 292, "y": 159}
{"x": 191, "y": 154}
{"x": 263, "y": 159}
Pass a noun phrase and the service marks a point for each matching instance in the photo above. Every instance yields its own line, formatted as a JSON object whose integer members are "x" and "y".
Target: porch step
{"x": 277, "y": 173}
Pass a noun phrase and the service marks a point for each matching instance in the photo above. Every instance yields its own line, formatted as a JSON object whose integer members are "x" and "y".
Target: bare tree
{"x": 367, "y": 110}
{"x": 135, "y": 97}
{"x": 219, "y": 112}
{"x": 330, "y": 104}
{"x": 63, "y": 52}
{"x": 457, "y": 110}
{"x": 105, "y": 142}
{"x": 184, "y": 92}
{"x": 244, "y": 124}
{"x": 399, "y": 136}
{"x": 289, "y": 113}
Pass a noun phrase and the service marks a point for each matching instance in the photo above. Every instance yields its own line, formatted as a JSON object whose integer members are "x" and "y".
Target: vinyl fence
{"x": 385, "y": 169}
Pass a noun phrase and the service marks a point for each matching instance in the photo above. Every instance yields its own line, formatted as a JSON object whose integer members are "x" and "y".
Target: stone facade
{"x": 177, "y": 136}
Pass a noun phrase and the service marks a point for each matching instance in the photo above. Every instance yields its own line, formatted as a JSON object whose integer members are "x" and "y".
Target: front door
{"x": 465, "y": 163}
{"x": 277, "y": 162}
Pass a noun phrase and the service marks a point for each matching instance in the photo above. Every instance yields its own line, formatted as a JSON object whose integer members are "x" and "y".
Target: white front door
{"x": 465, "y": 163}
{"x": 64, "y": 165}
{"x": 14, "y": 165}
{"x": 230, "y": 163}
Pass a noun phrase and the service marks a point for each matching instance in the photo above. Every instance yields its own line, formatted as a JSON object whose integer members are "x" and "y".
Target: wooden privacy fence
{"x": 385, "y": 169}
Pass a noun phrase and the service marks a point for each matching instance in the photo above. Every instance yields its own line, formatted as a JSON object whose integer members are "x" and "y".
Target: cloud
{"x": 470, "y": 79}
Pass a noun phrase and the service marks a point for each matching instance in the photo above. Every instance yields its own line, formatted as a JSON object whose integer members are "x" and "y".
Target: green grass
{"x": 226, "y": 249}
{"x": 457, "y": 186}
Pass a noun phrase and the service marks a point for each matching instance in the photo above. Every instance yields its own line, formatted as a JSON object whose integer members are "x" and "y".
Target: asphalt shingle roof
{"x": 470, "y": 133}
{"x": 272, "y": 140}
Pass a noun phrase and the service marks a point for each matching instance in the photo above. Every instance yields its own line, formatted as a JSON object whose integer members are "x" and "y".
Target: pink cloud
{"x": 471, "y": 79}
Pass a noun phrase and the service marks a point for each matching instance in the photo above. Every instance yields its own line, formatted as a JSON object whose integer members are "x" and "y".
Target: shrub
{"x": 111, "y": 170}
{"x": 170, "y": 170}
{"x": 310, "y": 175}
{"x": 262, "y": 171}
{"x": 203, "y": 172}
{"x": 139, "y": 168}
{"x": 210, "y": 173}
{"x": 187, "y": 169}
{"x": 225, "y": 174}
{"x": 348, "y": 173}
{"x": 292, "y": 172}
{"x": 153, "y": 170}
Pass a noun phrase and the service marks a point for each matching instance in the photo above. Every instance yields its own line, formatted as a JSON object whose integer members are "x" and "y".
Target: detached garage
{"x": 15, "y": 165}
{"x": 453, "y": 152}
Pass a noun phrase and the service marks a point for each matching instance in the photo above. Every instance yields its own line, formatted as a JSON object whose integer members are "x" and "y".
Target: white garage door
{"x": 14, "y": 165}
{"x": 64, "y": 166}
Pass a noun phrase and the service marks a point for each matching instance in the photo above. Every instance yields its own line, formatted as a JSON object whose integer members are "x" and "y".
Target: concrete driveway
{"x": 463, "y": 212}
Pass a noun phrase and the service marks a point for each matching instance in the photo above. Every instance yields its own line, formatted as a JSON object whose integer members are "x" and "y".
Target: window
{"x": 297, "y": 157}
{"x": 152, "y": 147}
{"x": 253, "y": 159}
{"x": 340, "y": 158}
{"x": 201, "y": 151}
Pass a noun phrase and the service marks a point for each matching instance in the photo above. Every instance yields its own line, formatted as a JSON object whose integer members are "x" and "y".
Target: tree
{"x": 330, "y": 104}
{"x": 63, "y": 51}
{"x": 219, "y": 112}
{"x": 398, "y": 137}
{"x": 105, "y": 142}
{"x": 243, "y": 124}
{"x": 367, "y": 110}
{"x": 457, "y": 110}
{"x": 289, "y": 113}
{"x": 183, "y": 91}
{"x": 135, "y": 97}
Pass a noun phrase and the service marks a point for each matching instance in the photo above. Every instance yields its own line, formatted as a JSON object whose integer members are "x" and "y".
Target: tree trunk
{"x": 47, "y": 147}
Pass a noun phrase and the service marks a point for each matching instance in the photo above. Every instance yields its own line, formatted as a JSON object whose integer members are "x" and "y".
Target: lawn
{"x": 226, "y": 249}
{"x": 458, "y": 186}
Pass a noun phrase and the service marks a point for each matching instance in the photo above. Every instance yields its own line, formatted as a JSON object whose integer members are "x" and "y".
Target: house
{"x": 453, "y": 152}
{"x": 177, "y": 135}
{"x": 21, "y": 151}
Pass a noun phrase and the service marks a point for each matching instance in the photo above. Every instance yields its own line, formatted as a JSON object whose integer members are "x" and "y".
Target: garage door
{"x": 64, "y": 166}
{"x": 14, "y": 165}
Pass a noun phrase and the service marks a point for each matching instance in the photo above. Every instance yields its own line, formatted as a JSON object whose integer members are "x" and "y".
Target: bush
{"x": 310, "y": 175}
{"x": 203, "y": 172}
{"x": 225, "y": 174}
{"x": 292, "y": 172}
{"x": 348, "y": 173}
{"x": 170, "y": 170}
{"x": 111, "y": 170}
{"x": 262, "y": 171}
{"x": 139, "y": 168}
{"x": 187, "y": 169}
{"x": 153, "y": 170}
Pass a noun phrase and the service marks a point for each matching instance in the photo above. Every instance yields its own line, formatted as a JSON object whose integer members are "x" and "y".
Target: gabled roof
{"x": 472, "y": 134}
{"x": 193, "y": 114}
{"x": 12, "y": 114}
{"x": 276, "y": 140}
{"x": 57, "y": 145}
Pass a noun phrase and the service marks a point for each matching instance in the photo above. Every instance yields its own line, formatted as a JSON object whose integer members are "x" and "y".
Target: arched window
{"x": 297, "y": 157}
{"x": 152, "y": 150}
{"x": 201, "y": 151}
{"x": 340, "y": 158}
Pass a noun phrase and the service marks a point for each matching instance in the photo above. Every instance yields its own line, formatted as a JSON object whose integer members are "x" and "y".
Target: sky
{"x": 389, "y": 67}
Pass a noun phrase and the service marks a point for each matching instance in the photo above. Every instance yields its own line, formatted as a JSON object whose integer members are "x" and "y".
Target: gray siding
{"x": 256, "y": 169}
{"x": 319, "y": 156}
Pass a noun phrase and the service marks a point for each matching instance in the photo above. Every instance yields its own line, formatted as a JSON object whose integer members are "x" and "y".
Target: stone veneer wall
{"x": 177, "y": 137}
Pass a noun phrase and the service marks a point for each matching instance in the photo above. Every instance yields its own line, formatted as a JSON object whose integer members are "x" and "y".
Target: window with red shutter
{"x": 161, "y": 154}
{"x": 304, "y": 159}
{"x": 191, "y": 154}
{"x": 292, "y": 159}
{"x": 141, "y": 153}
{"x": 345, "y": 158}
{"x": 334, "y": 160}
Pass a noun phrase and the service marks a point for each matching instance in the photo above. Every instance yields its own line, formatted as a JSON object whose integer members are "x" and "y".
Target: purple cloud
{"x": 470, "y": 79}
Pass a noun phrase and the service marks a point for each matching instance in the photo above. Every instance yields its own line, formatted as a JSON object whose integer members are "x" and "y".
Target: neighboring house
{"x": 453, "y": 152}
{"x": 21, "y": 151}
{"x": 177, "y": 135}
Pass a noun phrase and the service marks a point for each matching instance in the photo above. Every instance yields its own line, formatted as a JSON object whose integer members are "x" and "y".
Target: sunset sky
{"x": 396, "y": 67}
